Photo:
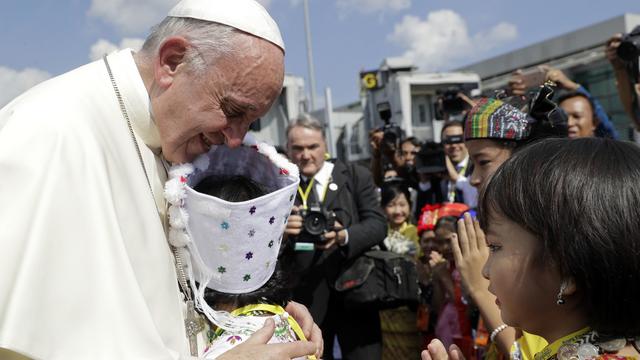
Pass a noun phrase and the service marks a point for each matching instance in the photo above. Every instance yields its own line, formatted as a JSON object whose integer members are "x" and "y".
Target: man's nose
{"x": 234, "y": 134}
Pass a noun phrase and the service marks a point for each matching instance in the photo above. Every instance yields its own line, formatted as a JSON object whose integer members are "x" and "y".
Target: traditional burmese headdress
{"x": 231, "y": 247}
{"x": 494, "y": 119}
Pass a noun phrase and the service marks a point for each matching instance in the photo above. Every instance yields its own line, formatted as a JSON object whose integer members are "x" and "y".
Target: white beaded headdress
{"x": 231, "y": 247}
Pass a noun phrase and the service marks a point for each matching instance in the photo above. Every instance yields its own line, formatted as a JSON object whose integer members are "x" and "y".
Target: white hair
{"x": 306, "y": 121}
{"x": 210, "y": 41}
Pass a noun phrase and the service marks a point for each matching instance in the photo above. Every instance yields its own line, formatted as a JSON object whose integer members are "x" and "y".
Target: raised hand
{"x": 470, "y": 252}
{"x": 436, "y": 351}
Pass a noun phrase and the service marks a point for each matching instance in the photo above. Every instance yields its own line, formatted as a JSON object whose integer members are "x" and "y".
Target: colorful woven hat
{"x": 494, "y": 119}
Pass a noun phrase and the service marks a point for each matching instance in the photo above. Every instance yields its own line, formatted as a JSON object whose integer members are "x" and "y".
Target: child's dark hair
{"x": 230, "y": 188}
{"x": 581, "y": 199}
{"x": 275, "y": 291}
{"x": 392, "y": 189}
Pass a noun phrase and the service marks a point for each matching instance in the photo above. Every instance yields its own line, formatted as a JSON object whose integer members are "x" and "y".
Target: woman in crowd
{"x": 563, "y": 246}
{"x": 400, "y": 337}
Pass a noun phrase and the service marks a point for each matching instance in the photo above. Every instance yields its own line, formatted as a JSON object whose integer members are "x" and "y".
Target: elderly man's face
{"x": 196, "y": 111}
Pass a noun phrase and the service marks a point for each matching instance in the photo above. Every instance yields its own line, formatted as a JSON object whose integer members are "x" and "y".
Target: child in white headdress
{"x": 227, "y": 216}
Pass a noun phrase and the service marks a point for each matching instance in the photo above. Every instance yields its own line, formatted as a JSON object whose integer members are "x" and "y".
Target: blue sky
{"x": 44, "y": 38}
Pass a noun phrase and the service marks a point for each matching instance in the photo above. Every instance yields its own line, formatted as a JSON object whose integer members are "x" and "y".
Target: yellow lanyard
{"x": 274, "y": 309}
{"x": 552, "y": 349}
{"x": 304, "y": 194}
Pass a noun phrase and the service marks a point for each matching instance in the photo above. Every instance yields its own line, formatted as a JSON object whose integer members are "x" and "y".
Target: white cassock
{"x": 85, "y": 271}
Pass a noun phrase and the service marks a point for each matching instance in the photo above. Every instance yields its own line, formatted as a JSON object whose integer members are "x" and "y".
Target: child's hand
{"x": 435, "y": 258}
{"x": 470, "y": 252}
{"x": 437, "y": 351}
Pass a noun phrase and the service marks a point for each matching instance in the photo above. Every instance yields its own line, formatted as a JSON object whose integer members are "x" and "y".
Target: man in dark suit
{"x": 349, "y": 192}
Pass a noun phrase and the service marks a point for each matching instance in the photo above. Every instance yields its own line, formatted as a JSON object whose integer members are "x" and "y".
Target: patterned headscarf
{"x": 494, "y": 119}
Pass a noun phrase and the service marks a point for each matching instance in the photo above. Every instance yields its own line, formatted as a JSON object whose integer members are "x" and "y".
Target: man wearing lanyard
{"x": 458, "y": 188}
{"x": 348, "y": 192}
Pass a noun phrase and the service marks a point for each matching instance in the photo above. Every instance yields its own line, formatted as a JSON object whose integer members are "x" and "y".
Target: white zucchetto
{"x": 245, "y": 15}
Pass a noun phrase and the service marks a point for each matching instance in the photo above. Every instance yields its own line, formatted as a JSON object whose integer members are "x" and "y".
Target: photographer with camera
{"x": 387, "y": 148}
{"x": 623, "y": 52}
{"x": 337, "y": 218}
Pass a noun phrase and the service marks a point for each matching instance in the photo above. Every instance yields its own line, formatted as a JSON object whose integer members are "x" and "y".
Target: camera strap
{"x": 308, "y": 194}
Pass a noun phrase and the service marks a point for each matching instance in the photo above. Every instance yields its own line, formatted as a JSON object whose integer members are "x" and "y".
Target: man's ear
{"x": 171, "y": 58}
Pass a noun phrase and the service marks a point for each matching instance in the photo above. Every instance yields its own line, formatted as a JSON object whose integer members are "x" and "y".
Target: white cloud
{"x": 137, "y": 16}
{"x": 15, "y": 82}
{"x": 443, "y": 40}
{"x": 372, "y": 6}
{"x": 102, "y": 47}
{"x": 131, "y": 16}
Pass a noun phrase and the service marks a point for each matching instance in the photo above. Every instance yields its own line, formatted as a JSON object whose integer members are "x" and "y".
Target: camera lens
{"x": 315, "y": 223}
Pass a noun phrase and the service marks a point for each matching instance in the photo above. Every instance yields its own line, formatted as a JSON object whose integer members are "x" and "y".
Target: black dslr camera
{"x": 629, "y": 52}
{"x": 316, "y": 220}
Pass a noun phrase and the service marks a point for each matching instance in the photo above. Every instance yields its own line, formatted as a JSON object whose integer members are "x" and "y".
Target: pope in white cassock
{"x": 86, "y": 270}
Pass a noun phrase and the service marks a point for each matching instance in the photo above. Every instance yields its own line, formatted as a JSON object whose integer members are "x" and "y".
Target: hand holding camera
{"x": 337, "y": 236}
{"x": 315, "y": 225}
{"x": 611, "y": 50}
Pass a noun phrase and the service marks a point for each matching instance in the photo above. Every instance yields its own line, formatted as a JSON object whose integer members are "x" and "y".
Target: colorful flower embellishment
{"x": 246, "y": 277}
{"x": 248, "y": 255}
{"x": 233, "y": 339}
{"x": 183, "y": 179}
{"x": 224, "y": 225}
{"x": 272, "y": 219}
{"x": 284, "y": 171}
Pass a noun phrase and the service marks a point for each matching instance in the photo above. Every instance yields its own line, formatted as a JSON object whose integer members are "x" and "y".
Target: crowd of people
{"x": 139, "y": 222}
